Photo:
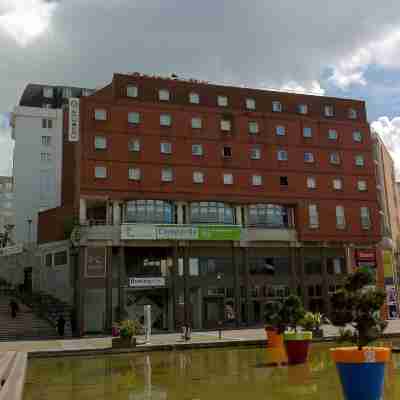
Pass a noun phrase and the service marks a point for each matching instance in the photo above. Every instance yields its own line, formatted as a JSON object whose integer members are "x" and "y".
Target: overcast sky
{"x": 341, "y": 48}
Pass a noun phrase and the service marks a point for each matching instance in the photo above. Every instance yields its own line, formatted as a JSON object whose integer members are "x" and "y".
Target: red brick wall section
{"x": 52, "y": 224}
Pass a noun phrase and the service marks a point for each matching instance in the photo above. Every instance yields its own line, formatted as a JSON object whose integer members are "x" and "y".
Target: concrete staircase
{"x": 25, "y": 326}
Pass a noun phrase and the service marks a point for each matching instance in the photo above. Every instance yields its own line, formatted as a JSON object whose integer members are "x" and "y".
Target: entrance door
{"x": 213, "y": 311}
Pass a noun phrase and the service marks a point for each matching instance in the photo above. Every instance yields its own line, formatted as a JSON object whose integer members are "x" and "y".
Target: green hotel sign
{"x": 219, "y": 233}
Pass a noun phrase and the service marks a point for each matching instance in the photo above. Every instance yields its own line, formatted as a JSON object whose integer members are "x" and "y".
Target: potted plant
{"x": 274, "y": 324}
{"x": 127, "y": 330}
{"x": 296, "y": 342}
{"x": 361, "y": 367}
{"x": 312, "y": 322}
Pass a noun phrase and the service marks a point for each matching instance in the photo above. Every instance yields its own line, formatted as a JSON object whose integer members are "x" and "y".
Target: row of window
{"x": 164, "y": 95}
{"x": 226, "y": 125}
{"x": 313, "y": 217}
{"x": 66, "y": 92}
{"x": 167, "y": 175}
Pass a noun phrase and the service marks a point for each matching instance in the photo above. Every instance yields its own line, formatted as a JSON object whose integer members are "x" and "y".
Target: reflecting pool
{"x": 236, "y": 373}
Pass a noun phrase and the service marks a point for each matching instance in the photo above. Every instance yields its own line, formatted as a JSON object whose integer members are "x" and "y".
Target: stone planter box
{"x": 123, "y": 342}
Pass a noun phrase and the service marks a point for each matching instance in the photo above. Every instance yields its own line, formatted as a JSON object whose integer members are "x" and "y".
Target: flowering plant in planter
{"x": 127, "y": 330}
{"x": 361, "y": 368}
{"x": 312, "y": 322}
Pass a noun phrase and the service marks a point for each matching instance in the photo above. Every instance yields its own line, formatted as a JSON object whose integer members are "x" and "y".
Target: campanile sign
{"x": 73, "y": 123}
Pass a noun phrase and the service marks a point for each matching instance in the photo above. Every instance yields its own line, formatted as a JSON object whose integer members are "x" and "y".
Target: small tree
{"x": 358, "y": 304}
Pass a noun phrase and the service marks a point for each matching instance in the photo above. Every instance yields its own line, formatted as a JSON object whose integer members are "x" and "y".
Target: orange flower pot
{"x": 274, "y": 338}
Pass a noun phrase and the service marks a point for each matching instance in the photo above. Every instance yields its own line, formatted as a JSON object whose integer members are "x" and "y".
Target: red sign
{"x": 365, "y": 255}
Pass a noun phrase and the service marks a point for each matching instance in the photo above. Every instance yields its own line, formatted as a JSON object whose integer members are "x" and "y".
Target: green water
{"x": 192, "y": 375}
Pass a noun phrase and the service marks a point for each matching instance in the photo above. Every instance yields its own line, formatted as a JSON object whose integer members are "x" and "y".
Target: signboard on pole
{"x": 73, "y": 120}
{"x": 96, "y": 261}
{"x": 146, "y": 282}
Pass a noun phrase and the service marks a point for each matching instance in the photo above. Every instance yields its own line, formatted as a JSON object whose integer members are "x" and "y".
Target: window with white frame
{"x": 163, "y": 95}
{"x": 228, "y": 179}
{"x": 313, "y": 216}
{"x": 334, "y": 158}
{"x": 308, "y": 157}
{"x": 311, "y": 182}
{"x": 197, "y": 149}
{"x": 194, "y": 98}
{"x": 253, "y": 127}
{"x": 166, "y": 148}
{"x": 133, "y": 118}
{"x": 44, "y": 156}
{"x": 282, "y": 155}
{"x": 46, "y": 141}
{"x": 352, "y": 113}
{"x": 332, "y": 134}
{"x": 167, "y": 175}
{"x": 328, "y": 111}
{"x": 362, "y": 185}
{"x": 337, "y": 184}
{"x": 100, "y": 114}
{"x": 255, "y": 153}
{"x": 100, "y": 142}
{"x": 211, "y": 212}
{"x": 250, "y": 104}
{"x": 149, "y": 212}
{"x": 340, "y": 218}
{"x": 307, "y": 132}
{"x": 359, "y": 160}
{"x": 48, "y": 92}
{"x": 198, "y": 177}
{"x": 66, "y": 92}
{"x": 357, "y": 136}
{"x": 365, "y": 218}
{"x": 280, "y": 130}
{"x": 302, "y": 109}
{"x": 132, "y": 91}
{"x": 87, "y": 92}
{"x": 165, "y": 119}
{"x": 276, "y": 106}
{"x": 134, "y": 174}
{"x": 225, "y": 125}
{"x": 47, "y": 123}
{"x": 256, "y": 180}
{"x": 134, "y": 145}
{"x": 100, "y": 172}
{"x": 197, "y": 123}
{"x": 222, "y": 101}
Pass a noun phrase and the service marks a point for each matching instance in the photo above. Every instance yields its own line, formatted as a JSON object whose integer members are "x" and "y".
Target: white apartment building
{"x": 7, "y": 212}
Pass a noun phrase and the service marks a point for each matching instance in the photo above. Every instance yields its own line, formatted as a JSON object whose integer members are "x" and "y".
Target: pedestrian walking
{"x": 61, "y": 325}
{"x": 14, "y": 308}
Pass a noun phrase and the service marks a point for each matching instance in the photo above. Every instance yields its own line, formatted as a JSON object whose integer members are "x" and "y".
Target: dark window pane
{"x": 60, "y": 258}
{"x": 49, "y": 260}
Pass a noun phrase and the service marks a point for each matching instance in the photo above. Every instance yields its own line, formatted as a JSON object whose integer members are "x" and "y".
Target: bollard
{"x": 219, "y": 330}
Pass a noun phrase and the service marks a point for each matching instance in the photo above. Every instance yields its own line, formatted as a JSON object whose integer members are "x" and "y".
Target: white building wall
{"x": 37, "y": 182}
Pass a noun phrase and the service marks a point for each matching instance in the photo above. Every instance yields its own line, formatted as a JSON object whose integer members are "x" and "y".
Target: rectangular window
{"x": 359, "y": 160}
{"x": 60, "y": 258}
{"x": 132, "y": 91}
{"x": 307, "y": 132}
{"x": 100, "y": 114}
{"x": 256, "y": 180}
{"x": 365, "y": 218}
{"x": 165, "y": 120}
{"x": 357, "y": 136}
{"x": 45, "y": 156}
{"x": 340, "y": 218}
{"x": 100, "y": 142}
{"x": 196, "y": 123}
{"x": 47, "y": 123}
{"x": 334, "y": 158}
{"x": 197, "y": 149}
{"x": 193, "y": 266}
{"x": 253, "y": 127}
{"x": 134, "y": 145}
{"x": 328, "y": 111}
{"x": 313, "y": 216}
{"x": 311, "y": 182}
{"x": 337, "y": 184}
{"x": 255, "y": 153}
{"x": 194, "y": 98}
{"x": 302, "y": 109}
{"x": 227, "y": 152}
{"x": 352, "y": 113}
{"x": 167, "y": 175}
{"x": 222, "y": 101}
{"x": 225, "y": 125}
{"x": 282, "y": 155}
{"x": 198, "y": 177}
{"x": 163, "y": 95}
{"x": 284, "y": 181}
{"x": 134, "y": 174}
{"x": 133, "y": 118}
{"x": 66, "y": 93}
{"x": 250, "y": 104}
{"x": 280, "y": 131}
{"x": 48, "y": 260}
{"x": 228, "y": 179}
{"x": 308, "y": 157}
{"x": 100, "y": 172}
{"x": 362, "y": 186}
{"x": 165, "y": 148}
{"x": 332, "y": 134}
{"x": 87, "y": 92}
{"x": 276, "y": 106}
{"x": 46, "y": 141}
{"x": 48, "y": 92}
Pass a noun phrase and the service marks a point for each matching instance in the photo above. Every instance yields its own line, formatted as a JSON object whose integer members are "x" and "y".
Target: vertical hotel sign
{"x": 73, "y": 125}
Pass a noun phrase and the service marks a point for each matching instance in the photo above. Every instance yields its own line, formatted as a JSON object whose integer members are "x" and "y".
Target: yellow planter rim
{"x": 305, "y": 335}
{"x": 368, "y": 354}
